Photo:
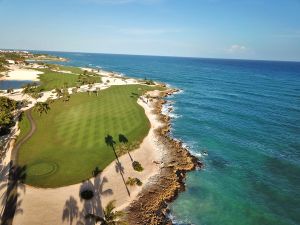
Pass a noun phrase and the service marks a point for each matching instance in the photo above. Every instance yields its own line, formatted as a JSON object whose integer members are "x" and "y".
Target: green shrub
{"x": 130, "y": 181}
{"x": 124, "y": 148}
{"x": 138, "y": 182}
{"x": 137, "y": 166}
{"x": 133, "y": 181}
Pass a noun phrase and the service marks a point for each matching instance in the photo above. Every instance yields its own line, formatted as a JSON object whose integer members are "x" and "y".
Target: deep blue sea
{"x": 246, "y": 116}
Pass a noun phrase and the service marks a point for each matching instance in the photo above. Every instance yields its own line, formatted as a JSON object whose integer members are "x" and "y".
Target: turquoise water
{"x": 246, "y": 115}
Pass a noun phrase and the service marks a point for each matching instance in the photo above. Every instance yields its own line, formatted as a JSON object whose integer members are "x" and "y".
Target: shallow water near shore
{"x": 6, "y": 84}
{"x": 246, "y": 116}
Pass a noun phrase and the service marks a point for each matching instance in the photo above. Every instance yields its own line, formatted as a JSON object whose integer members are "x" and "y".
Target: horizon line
{"x": 146, "y": 55}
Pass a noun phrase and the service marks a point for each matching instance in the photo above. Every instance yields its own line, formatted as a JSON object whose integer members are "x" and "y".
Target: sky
{"x": 242, "y": 29}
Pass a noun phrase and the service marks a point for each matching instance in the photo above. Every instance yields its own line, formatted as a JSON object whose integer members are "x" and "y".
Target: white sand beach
{"x": 17, "y": 73}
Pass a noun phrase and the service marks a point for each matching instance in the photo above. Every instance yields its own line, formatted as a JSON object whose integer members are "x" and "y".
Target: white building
{"x": 10, "y": 61}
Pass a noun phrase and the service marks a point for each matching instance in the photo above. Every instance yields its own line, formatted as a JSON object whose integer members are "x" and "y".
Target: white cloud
{"x": 236, "y": 49}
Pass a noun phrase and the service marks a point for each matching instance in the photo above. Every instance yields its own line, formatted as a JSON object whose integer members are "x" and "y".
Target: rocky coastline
{"x": 151, "y": 206}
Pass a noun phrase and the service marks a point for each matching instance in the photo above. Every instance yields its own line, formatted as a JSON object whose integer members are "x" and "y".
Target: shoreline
{"x": 169, "y": 174}
{"x": 151, "y": 207}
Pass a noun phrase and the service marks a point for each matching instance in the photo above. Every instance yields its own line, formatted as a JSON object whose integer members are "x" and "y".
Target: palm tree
{"x": 147, "y": 97}
{"x": 10, "y": 90}
{"x": 74, "y": 90}
{"x": 66, "y": 98}
{"x": 80, "y": 80}
{"x": 111, "y": 217}
{"x": 58, "y": 92}
{"x": 24, "y": 103}
{"x": 49, "y": 101}
{"x": 90, "y": 87}
{"x": 42, "y": 107}
{"x": 97, "y": 90}
{"x": 65, "y": 95}
{"x": 26, "y": 89}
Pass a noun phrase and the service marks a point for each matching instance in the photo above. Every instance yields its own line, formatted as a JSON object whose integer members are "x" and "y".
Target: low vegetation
{"x": 123, "y": 148}
{"x": 7, "y": 106}
{"x": 4, "y": 56}
{"x": 3, "y": 64}
{"x": 149, "y": 82}
{"x": 137, "y": 166}
{"x": 33, "y": 90}
{"x": 134, "y": 181}
{"x": 44, "y": 57}
{"x": 12, "y": 56}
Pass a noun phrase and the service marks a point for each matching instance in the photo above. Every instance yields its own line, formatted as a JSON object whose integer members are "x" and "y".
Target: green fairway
{"x": 51, "y": 80}
{"x": 69, "y": 142}
{"x": 72, "y": 69}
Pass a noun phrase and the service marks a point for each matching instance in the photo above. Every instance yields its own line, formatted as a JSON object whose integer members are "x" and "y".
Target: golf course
{"x": 68, "y": 143}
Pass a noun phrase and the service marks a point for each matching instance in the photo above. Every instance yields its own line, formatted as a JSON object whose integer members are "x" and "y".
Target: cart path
{"x": 15, "y": 150}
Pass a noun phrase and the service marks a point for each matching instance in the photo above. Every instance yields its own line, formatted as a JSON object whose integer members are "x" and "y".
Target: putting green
{"x": 42, "y": 169}
{"x": 69, "y": 141}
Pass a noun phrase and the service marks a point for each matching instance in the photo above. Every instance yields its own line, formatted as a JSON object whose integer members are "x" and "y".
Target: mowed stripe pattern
{"x": 71, "y": 136}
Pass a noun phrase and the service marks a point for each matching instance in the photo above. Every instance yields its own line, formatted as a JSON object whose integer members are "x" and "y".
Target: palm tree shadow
{"x": 92, "y": 206}
{"x": 119, "y": 168}
{"x": 12, "y": 179}
{"x": 110, "y": 142}
{"x": 71, "y": 210}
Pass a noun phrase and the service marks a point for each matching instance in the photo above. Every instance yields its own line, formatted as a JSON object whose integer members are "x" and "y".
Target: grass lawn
{"x": 69, "y": 142}
{"x": 72, "y": 69}
{"x": 51, "y": 80}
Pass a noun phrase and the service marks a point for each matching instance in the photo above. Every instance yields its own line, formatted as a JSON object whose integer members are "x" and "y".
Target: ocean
{"x": 242, "y": 119}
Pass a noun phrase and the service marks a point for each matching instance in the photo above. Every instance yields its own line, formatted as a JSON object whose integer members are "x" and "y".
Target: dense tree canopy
{"x": 6, "y": 118}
